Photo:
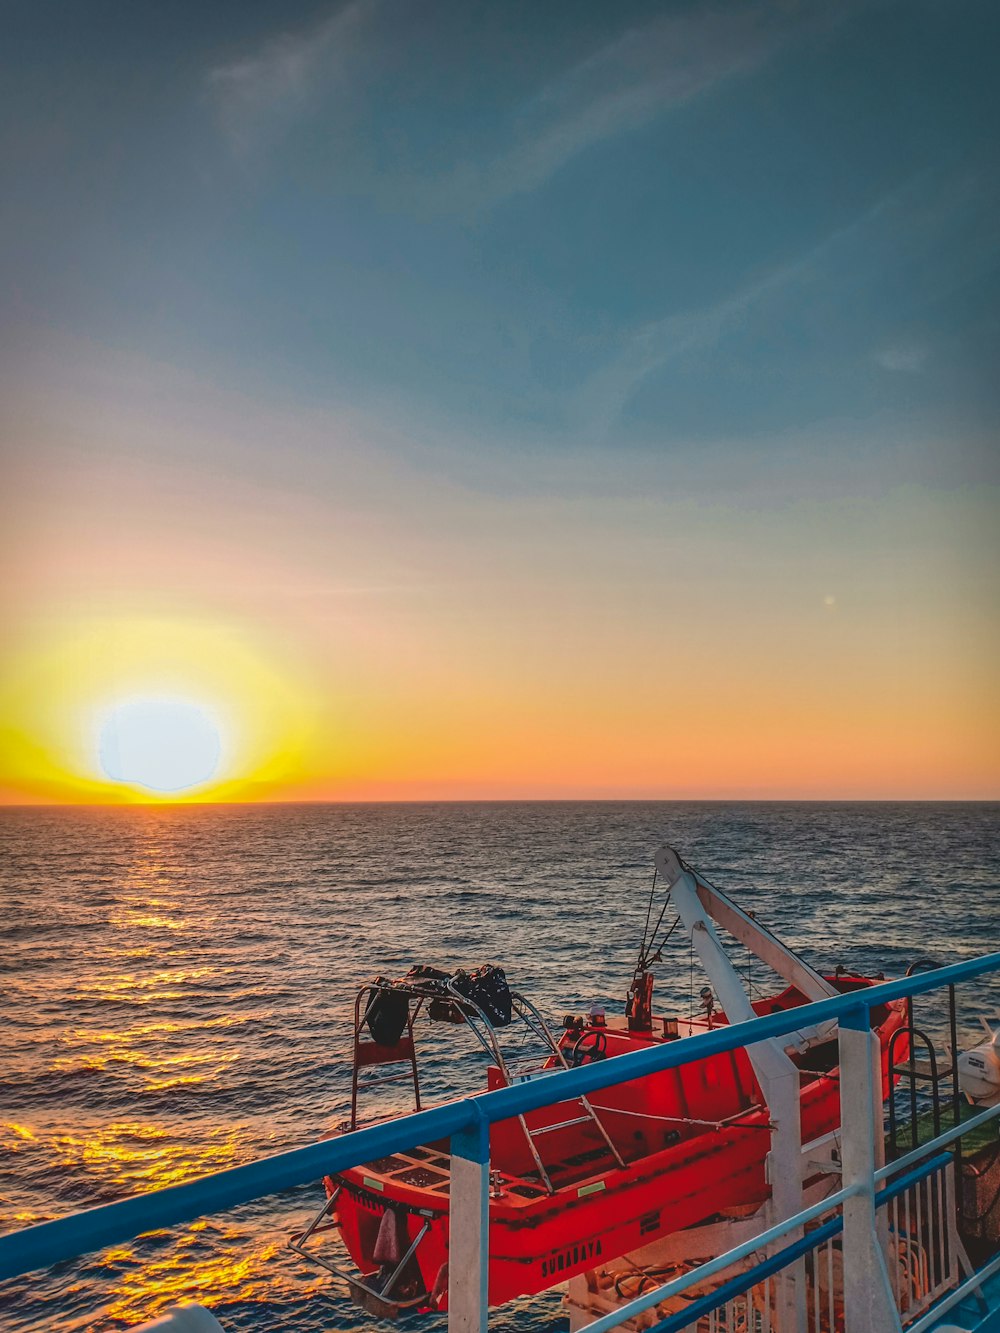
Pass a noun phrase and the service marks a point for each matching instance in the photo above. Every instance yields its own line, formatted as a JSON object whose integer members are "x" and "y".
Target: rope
{"x": 691, "y": 981}
{"x": 734, "y": 1122}
{"x": 649, "y": 912}
{"x": 649, "y": 949}
{"x": 654, "y": 954}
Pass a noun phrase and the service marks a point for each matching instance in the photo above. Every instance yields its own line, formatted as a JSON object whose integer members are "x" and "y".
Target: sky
{"x": 460, "y": 401}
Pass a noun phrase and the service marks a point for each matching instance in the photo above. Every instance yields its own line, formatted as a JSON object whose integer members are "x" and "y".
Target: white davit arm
{"x": 777, "y": 1075}
{"x": 761, "y": 943}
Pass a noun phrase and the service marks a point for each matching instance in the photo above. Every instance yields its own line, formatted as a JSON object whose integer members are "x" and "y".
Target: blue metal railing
{"x": 95, "y": 1229}
{"x": 745, "y": 1281}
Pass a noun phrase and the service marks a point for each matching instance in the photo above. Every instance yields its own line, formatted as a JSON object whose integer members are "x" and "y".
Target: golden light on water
{"x": 127, "y": 1157}
{"x": 236, "y": 1270}
{"x": 177, "y": 1051}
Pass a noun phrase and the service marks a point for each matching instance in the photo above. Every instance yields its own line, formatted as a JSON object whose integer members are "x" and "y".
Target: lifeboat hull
{"x": 598, "y": 1210}
{"x": 532, "y": 1249}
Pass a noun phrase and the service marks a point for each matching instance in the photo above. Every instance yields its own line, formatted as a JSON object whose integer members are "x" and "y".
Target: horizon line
{"x": 510, "y": 800}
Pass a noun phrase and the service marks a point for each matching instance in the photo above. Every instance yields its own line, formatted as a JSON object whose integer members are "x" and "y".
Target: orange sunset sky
{"x": 508, "y": 436}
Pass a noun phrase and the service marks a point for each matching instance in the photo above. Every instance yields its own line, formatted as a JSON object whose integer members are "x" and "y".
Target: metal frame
{"x": 371, "y": 988}
{"x": 298, "y": 1243}
{"x": 486, "y": 1034}
{"x": 466, "y": 1124}
{"x": 913, "y": 1073}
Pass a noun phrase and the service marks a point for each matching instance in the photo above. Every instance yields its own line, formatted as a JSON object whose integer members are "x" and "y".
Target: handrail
{"x": 68, "y": 1237}
{"x": 940, "y": 1140}
{"x": 743, "y": 1281}
{"x": 711, "y": 1267}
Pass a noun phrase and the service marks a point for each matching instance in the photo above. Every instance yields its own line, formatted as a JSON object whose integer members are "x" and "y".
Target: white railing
{"x": 922, "y": 1250}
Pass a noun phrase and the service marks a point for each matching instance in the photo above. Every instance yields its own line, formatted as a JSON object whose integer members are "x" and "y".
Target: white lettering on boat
{"x": 588, "y": 1249}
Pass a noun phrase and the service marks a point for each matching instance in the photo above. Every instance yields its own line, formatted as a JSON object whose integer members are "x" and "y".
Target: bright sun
{"x": 165, "y": 745}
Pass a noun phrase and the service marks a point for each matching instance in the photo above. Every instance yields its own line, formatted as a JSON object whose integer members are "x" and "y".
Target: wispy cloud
{"x": 660, "y": 342}
{"x": 259, "y": 96}
{"x": 644, "y": 351}
{"x": 641, "y": 74}
{"x": 906, "y": 357}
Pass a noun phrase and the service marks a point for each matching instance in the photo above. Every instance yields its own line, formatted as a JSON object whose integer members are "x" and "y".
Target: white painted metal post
{"x": 777, "y": 1075}
{"x": 869, "y": 1306}
{"x": 468, "y": 1230}
{"x": 878, "y": 1145}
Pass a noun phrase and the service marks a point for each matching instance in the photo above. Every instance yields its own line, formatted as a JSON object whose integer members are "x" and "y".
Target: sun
{"x": 153, "y": 709}
{"x": 162, "y": 744}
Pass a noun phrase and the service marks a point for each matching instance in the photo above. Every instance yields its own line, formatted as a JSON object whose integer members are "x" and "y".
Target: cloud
{"x": 660, "y": 342}
{"x": 906, "y": 357}
{"x": 639, "y": 75}
{"x": 645, "y": 350}
{"x": 258, "y": 97}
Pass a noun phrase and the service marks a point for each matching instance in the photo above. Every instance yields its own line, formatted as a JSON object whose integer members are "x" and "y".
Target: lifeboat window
{"x": 582, "y": 1158}
{"x": 422, "y": 1178}
{"x": 386, "y": 1164}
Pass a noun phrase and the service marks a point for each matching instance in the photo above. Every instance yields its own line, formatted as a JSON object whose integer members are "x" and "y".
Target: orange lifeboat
{"x": 584, "y": 1179}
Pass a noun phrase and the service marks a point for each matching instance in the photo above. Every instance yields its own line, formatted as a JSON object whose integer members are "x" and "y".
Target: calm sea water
{"x": 177, "y": 984}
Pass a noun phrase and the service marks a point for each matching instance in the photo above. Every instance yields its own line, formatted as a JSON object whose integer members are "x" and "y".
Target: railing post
{"x": 784, "y": 1166}
{"x": 468, "y": 1228}
{"x": 869, "y": 1306}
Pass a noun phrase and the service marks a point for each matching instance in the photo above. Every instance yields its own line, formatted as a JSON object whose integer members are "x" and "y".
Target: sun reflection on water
{"x": 19, "y": 1132}
{"x": 140, "y": 1030}
{"x": 148, "y": 922}
{"x": 229, "y": 1273}
{"x": 132, "y": 988}
{"x": 131, "y": 1156}
{"x": 142, "y": 1009}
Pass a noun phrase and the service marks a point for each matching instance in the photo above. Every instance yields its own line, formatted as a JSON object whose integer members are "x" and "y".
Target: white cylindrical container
{"x": 979, "y": 1072}
{"x": 185, "y": 1318}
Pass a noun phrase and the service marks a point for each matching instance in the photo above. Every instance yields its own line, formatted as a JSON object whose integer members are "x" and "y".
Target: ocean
{"x": 178, "y": 984}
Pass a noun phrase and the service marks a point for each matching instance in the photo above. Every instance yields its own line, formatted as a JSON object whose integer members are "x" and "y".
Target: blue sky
{"x": 613, "y": 224}
{"x": 710, "y": 261}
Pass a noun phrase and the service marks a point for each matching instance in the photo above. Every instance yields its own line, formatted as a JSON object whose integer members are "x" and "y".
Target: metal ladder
{"x": 912, "y": 1072}
{"x": 536, "y": 1023}
{"x": 368, "y": 1054}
